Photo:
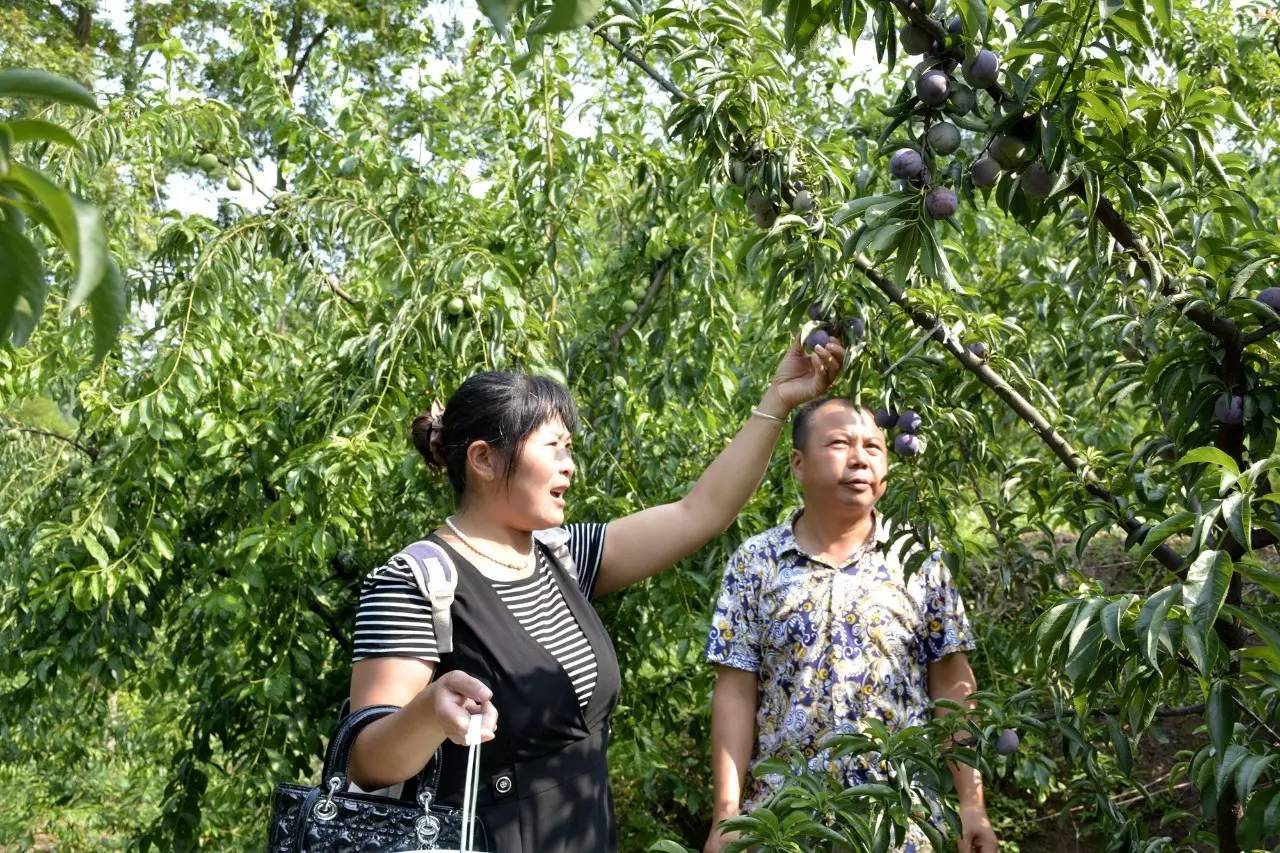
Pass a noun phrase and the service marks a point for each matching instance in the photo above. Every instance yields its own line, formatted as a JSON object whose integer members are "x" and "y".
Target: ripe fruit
{"x": 944, "y": 137}
{"x": 1007, "y": 743}
{"x": 817, "y": 338}
{"x": 762, "y": 209}
{"x": 906, "y": 163}
{"x": 629, "y": 306}
{"x": 979, "y": 349}
{"x": 208, "y": 162}
{"x": 1037, "y": 181}
{"x": 885, "y": 418}
{"x": 909, "y": 422}
{"x": 1229, "y": 409}
{"x": 857, "y": 328}
{"x": 233, "y": 184}
{"x": 962, "y": 101}
{"x": 940, "y": 203}
{"x": 816, "y": 310}
{"x": 738, "y": 172}
{"x": 985, "y": 172}
{"x": 955, "y": 26}
{"x": 914, "y": 40}
{"x": 1008, "y": 151}
{"x": 981, "y": 71}
{"x": 803, "y": 202}
{"x": 933, "y": 87}
{"x": 1270, "y": 297}
{"x": 906, "y": 444}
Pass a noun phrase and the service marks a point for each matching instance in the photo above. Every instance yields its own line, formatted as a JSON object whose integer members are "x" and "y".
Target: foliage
{"x": 188, "y": 520}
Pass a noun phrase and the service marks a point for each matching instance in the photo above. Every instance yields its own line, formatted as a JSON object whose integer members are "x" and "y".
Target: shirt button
{"x": 502, "y": 784}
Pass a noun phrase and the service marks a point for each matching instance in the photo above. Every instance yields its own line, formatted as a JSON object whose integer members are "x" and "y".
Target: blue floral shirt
{"x": 833, "y": 645}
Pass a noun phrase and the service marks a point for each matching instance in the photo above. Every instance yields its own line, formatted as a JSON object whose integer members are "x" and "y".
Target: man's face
{"x": 844, "y": 459}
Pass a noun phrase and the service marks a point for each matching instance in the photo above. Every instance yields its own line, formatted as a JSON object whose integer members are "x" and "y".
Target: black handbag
{"x": 329, "y": 818}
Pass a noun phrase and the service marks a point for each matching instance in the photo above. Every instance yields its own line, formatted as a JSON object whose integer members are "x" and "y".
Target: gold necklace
{"x": 466, "y": 540}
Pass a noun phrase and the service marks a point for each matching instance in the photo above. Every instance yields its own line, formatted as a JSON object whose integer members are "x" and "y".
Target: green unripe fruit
{"x": 985, "y": 172}
{"x": 347, "y": 165}
{"x": 208, "y": 162}
{"x": 629, "y": 306}
{"x": 455, "y": 306}
{"x": 914, "y": 40}
{"x": 944, "y": 137}
{"x": 1008, "y": 151}
{"x": 619, "y": 382}
{"x": 962, "y": 101}
{"x": 233, "y": 184}
{"x": 1198, "y": 262}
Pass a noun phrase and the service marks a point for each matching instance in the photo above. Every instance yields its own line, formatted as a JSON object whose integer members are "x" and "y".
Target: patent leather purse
{"x": 330, "y": 817}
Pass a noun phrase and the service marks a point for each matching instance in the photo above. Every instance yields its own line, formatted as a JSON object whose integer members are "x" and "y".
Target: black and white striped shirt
{"x": 394, "y": 620}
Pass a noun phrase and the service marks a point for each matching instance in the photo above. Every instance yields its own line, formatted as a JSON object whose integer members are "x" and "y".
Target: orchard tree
{"x": 1051, "y": 261}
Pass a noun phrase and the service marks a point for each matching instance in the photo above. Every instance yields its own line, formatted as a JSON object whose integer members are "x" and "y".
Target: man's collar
{"x": 880, "y": 533}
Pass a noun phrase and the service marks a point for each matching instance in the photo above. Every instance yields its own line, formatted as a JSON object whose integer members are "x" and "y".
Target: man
{"x": 815, "y": 629}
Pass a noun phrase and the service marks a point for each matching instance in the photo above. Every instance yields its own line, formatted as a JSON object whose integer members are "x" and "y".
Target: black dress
{"x": 544, "y": 781}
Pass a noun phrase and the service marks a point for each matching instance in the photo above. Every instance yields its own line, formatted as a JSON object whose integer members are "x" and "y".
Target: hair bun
{"x": 428, "y": 435}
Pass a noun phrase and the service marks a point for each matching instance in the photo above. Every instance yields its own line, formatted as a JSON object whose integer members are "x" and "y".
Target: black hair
{"x": 804, "y": 414}
{"x": 501, "y": 408}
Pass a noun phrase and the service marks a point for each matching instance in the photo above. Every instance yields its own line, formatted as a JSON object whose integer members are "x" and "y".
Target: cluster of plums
{"x": 831, "y": 327}
{"x": 907, "y": 441}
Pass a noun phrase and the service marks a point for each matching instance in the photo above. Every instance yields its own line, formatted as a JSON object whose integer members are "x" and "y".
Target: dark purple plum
{"x": 885, "y": 418}
{"x": 1229, "y": 409}
{"x": 1270, "y": 297}
{"x": 981, "y": 70}
{"x": 817, "y": 338}
{"x": 933, "y": 87}
{"x": 909, "y": 422}
{"x": 906, "y": 163}
{"x": 940, "y": 203}
{"x": 984, "y": 172}
{"x": 906, "y": 444}
{"x": 1008, "y": 742}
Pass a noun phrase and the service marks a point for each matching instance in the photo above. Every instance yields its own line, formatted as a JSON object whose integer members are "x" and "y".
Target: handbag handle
{"x": 337, "y": 759}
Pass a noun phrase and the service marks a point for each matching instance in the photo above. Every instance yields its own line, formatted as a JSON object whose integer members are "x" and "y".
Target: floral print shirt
{"x": 833, "y": 645}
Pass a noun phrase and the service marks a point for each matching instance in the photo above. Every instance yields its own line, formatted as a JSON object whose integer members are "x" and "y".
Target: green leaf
{"x": 499, "y": 12}
{"x": 1120, "y": 741}
{"x": 1238, "y": 511}
{"x": 1220, "y": 715}
{"x": 107, "y": 305}
{"x": 32, "y": 83}
{"x": 1211, "y": 456}
{"x": 1206, "y": 587}
{"x": 1175, "y": 523}
{"x": 95, "y": 549}
{"x": 566, "y": 15}
{"x": 56, "y": 201}
{"x": 28, "y": 129}
{"x": 1151, "y": 619}
{"x": 91, "y": 255}
{"x": 1164, "y": 14}
{"x": 23, "y": 284}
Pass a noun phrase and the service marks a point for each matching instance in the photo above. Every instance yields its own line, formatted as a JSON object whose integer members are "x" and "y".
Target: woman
{"x": 529, "y": 652}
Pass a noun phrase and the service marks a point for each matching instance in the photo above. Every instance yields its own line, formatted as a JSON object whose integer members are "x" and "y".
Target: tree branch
{"x": 656, "y": 280}
{"x": 1061, "y": 448}
{"x": 301, "y": 66}
{"x": 87, "y": 451}
{"x": 674, "y": 90}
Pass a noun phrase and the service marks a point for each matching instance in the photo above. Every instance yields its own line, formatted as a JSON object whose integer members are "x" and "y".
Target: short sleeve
{"x": 393, "y": 619}
{"x": 734, "y": 636}
{"x": 586, "y": 546}
{"x": 945, "y": 628}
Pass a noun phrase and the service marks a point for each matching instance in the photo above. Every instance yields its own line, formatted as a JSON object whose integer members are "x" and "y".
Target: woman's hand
{"x": 801, "y": 377}
{"x": 453, "y": 698}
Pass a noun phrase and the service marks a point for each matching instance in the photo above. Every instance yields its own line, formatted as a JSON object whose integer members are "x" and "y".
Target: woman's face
{"x": 534, "y": 497}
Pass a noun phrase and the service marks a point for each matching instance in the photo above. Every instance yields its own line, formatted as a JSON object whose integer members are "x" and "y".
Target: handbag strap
{"x": 337, "y": 759}
{"x": 472, "y": 790}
